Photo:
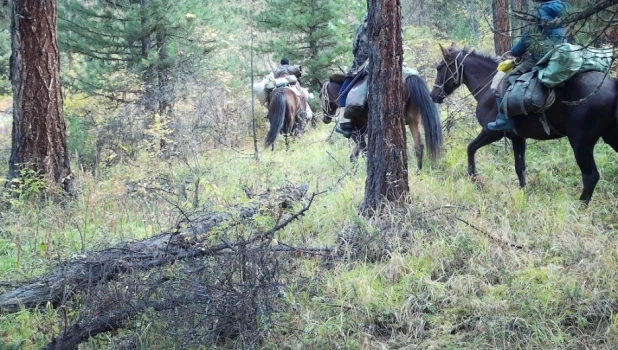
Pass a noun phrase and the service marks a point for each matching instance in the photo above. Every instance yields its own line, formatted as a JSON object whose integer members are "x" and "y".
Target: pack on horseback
{"x": 283, "y": 94}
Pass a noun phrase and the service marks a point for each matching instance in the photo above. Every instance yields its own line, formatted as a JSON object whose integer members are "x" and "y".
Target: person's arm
{"x": 521, "y": 47}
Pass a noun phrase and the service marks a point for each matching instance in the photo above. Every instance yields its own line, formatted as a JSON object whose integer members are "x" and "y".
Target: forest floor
{"x": 481, "y": 265}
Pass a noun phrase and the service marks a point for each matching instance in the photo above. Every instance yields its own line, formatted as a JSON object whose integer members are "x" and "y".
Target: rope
{"x": 325, "y": 99}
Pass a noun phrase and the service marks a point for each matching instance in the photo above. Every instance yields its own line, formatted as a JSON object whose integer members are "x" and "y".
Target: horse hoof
{"x": 480, "y": 184}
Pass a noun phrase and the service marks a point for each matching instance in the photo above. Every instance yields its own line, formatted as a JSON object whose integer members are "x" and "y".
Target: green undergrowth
{"x": 462, "y": 265}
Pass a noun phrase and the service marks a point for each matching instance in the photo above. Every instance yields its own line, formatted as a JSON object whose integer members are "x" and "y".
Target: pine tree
{"x": 315, "y": 34}
{"x": 119, "y": 39}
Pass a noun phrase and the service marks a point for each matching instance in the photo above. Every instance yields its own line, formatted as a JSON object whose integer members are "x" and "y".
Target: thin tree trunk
{"x": 502, "y": 38}
{"x": 253, "y": 121}
{"x": 387, "y": 161}
{"x": 163, "y": 75}
{"x": 148, "y": 74}
{"x": 163, "y": 96}
{"x": 39, "y": 131}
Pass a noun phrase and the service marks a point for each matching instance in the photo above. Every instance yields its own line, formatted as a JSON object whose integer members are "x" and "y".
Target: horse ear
{"x": 444, "y": 53}
{"x": 320, "y": 83}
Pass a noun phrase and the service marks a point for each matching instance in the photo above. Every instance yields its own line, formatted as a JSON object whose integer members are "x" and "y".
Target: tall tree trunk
{"x": 387, "y": 161}
{"x": 502, "y": 38}
{"x": 39, "y": 131}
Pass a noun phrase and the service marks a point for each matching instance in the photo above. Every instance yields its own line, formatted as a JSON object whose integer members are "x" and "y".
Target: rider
{"x": 286, "y": 69}
{"x": 361, "y": 56}
{"x": 547, "y": 11}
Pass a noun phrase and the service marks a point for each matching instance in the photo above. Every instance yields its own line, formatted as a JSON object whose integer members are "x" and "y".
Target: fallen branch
{"x": 491, "y": 236}
{"x": 187, "y": 240}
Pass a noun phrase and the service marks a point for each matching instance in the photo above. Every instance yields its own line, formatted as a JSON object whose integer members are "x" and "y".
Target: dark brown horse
{"x": 284, "y": 114}
{"x": 419, "y": 110}
{"x": 582, "y": 123}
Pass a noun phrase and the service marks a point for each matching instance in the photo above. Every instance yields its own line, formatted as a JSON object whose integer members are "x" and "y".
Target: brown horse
{"x": 284, "y": 114}
{"x": 419, "y": 110}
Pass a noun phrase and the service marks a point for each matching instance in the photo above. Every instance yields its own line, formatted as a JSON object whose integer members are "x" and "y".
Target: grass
{"x": 461, "y": 266}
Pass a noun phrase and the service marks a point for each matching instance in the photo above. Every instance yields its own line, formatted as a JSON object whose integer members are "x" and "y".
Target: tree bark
{"x": 502, "y": 37}
{"x": 39, "y": 131}
{"x": 387, "y": 161}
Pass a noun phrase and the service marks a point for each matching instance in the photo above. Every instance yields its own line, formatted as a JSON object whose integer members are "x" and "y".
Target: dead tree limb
{"x": 80, "y": 332}
{"x": 189, "y": 239}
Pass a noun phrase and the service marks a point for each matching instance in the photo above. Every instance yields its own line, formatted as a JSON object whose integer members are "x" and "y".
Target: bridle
{"x": 325, "y": 101}
{"x": 455, "y": 74}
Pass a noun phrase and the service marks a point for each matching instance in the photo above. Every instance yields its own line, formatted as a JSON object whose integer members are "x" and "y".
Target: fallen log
{"x": 186, "y": 240}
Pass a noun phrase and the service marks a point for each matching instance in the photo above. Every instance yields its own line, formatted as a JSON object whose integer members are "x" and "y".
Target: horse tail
{"x": 419, "y": 95}
{"x": 276, "y": 115}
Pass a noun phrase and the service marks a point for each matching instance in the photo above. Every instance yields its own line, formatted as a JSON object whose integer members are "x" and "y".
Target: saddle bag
{"x": 526, "y": 95}
{"x": 280, "y": 82}
{"x": 356, "y": 99}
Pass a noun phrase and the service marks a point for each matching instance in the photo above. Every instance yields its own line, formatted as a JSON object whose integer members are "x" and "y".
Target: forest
{"x": 158, "y": 193}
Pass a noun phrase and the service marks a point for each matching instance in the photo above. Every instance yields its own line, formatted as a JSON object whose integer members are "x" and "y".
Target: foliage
{"x": 314, "y": 34}
{"x": 459, "y": 20}
{"x": 480, "y": 265}
{"x": 153, "y": 42}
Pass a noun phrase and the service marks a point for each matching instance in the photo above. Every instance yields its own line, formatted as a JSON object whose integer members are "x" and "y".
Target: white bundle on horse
{"x": 269, "y": 83}
{"x": 259, "y": 89}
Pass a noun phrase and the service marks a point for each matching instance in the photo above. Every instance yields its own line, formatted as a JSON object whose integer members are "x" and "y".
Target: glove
{"x": 506, "y": 66}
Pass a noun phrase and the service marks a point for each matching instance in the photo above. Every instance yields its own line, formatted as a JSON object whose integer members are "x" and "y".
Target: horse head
{"x": 450, "y": 73}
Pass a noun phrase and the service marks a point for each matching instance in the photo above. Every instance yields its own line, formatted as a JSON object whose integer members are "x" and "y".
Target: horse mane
{"x": 471, "y": 51}
{"x": 337, "y": 78}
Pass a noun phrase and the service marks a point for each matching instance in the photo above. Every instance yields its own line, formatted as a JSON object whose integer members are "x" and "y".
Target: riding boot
{"x": 502, "y": 123}
{"x": 344, "y": 126}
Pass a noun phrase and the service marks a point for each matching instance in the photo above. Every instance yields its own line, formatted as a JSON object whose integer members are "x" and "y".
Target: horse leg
{"x": 611, "y": 138}
{"x": 584, "y": 155}
{"x": 419, "y": 144}
{"x": 483, "y": 139}
{"x": 519, "y": 151}
{"x": 358, "y": 140}
{"x": 287, "y": 142}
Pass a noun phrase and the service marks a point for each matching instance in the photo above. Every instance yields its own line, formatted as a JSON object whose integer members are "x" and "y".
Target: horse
{"x": 419, "y": 109}
{"x": 582, "y": 123}
{"x": 284, "y": 114}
